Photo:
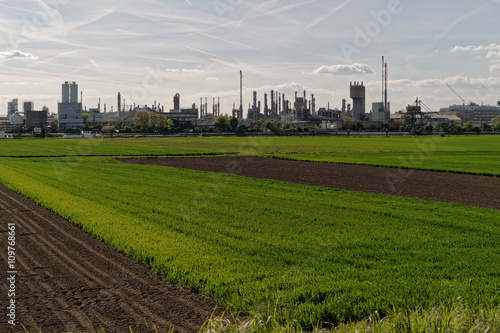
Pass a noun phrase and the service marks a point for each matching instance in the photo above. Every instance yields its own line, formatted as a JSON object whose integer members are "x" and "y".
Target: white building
{"x": 380, "y": 114}
{"x": 472, "y": 112}
{"x": 69, "y": 111}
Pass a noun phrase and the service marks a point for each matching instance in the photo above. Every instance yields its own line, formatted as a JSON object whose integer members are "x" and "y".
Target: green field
{"x": 469, "y": 154}
{"x": 321, "y": 254}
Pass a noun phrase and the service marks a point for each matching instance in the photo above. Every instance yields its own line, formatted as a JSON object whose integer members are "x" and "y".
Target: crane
{"x": 463, "y": 100}
{"x": 424, "y": 106}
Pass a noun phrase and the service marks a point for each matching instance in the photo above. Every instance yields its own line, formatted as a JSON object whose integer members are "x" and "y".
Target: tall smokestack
{"x": 313, "y": 104}
{"x": 384, "y": 84}
{"x": 266, "y": 108}
{"x": 385, "y": 101}
{"x": 284, "y": 103}
{"x": 273, "y": 104}
{"x": 241, "y": 95}
{"x": 119, "y": 103}
{"x": 383, "y": 80}
{"x": 279, "y": 103}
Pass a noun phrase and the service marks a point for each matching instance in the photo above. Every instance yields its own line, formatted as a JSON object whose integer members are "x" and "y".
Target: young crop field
{"x": 322, "y": 255}
{"x": 468, "y": 154}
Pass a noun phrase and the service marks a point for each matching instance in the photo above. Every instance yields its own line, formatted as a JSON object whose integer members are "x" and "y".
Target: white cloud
{"x": 495, "y": 68}
{"x": 16, "y": 54}
{"x": 188, "y": 70}
{"x": 476, "y": 48}
{"x": 345, "y": 69}
{"x": 213, "y": 79}
{"x": 493, "y": 54}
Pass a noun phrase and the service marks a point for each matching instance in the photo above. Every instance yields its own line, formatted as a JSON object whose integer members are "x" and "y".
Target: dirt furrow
{"x": 65, "y": 275}
{"x": 473, "y": 190}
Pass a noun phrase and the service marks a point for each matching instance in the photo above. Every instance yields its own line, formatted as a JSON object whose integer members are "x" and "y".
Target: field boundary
{"x": 468, "y": 189}
{"x": 383, "y": 166}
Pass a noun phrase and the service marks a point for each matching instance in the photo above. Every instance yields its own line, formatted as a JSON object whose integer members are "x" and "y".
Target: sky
{"x": 150, "y": 50}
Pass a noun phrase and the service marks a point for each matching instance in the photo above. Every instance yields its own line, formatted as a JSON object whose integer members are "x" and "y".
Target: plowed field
{"x": 474, "y": 190}
{"x": 63, "y": 275}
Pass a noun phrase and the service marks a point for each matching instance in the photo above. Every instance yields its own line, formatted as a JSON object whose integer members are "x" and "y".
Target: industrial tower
{"x": 358, "y": 101}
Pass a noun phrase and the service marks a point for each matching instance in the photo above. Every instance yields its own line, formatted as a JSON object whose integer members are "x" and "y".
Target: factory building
{"x": 36, "y": 119}
{"x": 69, "y": 110}
{"x": 472, "y": 112}
{"x": 254, "y": 110}
{"x": 12, "y": 108}
{"x": 185, "y": 115}
{"x": 330, "y": 115}
{"x": 380, "y": 113}
{"x": 302, "y": 113}
{"x": 357, "y": 93}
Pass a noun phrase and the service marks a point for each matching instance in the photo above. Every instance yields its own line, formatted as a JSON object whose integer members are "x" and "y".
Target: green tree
{"x": 468, "y": 126}
{"x": 289, "y": 129}
{"x": 221, "y": 123}
{"x": 396, "y": 125}
{"x": 108, "y": 128}
{"x": 429, "y": 128}
{"x": 273, "y": 125}
{"x": 233, "y": 123}
{"x": 443, "y": 127}
{"x": 97, "y": 127}
{"x": 495, "y": 121}
{"x": 358, "y": 127}
{"x": 454, "y": 128}
{"x": 241, "y": 129}
{"x": 347, "y": 123}
{"x": 142, "y": 121}
{"x": 485, "y": 127}
{"x": 85, "y": 117}
{"x": 54, "y": 126}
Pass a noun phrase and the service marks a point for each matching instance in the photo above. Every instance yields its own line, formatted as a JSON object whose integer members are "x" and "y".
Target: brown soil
{"x": 473, "y": 190}
{"x": 63, "y": 275}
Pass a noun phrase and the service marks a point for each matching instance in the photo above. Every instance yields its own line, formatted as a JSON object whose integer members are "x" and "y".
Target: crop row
{"x": 326, "y": 254}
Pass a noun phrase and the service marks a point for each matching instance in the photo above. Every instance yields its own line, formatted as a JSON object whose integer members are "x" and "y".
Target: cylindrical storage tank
{"x": 177, "y": 102}
{"x": 65, "y": 92}
{"x": 16, "y": 119}
{"x": 74, "y": 93}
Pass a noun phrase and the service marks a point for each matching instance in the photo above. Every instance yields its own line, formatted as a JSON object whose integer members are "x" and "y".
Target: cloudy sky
{"x": 151, "y": 49}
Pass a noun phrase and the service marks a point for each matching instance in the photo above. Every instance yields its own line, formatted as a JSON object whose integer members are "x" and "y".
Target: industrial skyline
{"x": 151, "y": 50}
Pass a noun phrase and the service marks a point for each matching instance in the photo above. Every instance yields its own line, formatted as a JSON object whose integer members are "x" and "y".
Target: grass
{"x": 452, "y": 318}
{"x": 467, "y": 154}
{"x": 322, "y": 255}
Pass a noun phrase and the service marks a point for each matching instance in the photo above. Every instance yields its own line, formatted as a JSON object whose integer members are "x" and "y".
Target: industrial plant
{"x": 299, "y": 111}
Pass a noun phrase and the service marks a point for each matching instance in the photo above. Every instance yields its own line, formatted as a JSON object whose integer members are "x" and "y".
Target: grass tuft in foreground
{"x": 457, "y": 317}
{"x": 453, "y": 318}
